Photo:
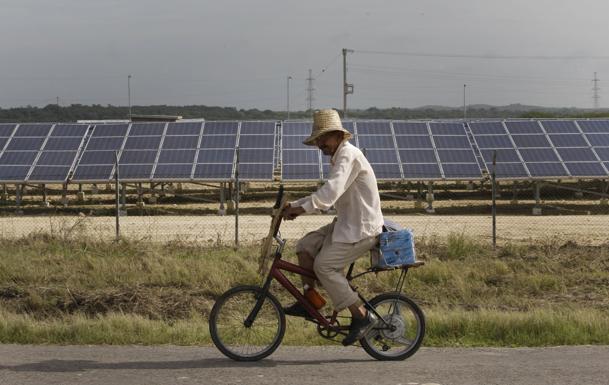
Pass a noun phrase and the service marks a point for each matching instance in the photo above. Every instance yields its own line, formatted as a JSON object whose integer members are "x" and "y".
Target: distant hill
{"x": 54, "y": 113}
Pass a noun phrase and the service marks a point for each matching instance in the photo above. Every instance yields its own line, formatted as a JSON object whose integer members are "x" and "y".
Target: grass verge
{"x": 80, "y": 291}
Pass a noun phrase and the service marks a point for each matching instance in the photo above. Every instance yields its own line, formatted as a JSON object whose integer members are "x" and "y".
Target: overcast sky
{"x": 239, "y": 53}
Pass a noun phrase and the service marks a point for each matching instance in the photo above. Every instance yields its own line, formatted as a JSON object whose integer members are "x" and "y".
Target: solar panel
{"x": 418, "y": 156}
{"x": 299, "y": 161}
{"x": 135, "y": 171}
{"x": 547, "y": 169}
{"x": 105, "y": 143}
{"x": 77, "y": 130}
{"x": 591, "y": 126}
{"x": 255, "y": 171}
{"x": 487, "y": 128}
{"x": 13, "y": 173}
{"x": 456, "y": 156}
{"x": 41, "y": 174}
{"x": 461, "y": 170}
{"x": 539, "y": 155}
{"x": 258, "y": 155}
{"x": 373, "y": 128}
{"x": 568, "y": 140}
{"x": 494, "y": 141}
{"x": 218, "y": 171}
{"x": 452, "y": 142}
{"x": 137, "y": 157}
{"x": 447, "y": 129}
{"x": 143, "y": 142}
{"x": 25, "y": 144}
{"x": 18, "y": 157}
{"x": 381, "y": 156}
{"x": 257, "y": 128}
{"x": 216, "y": 156}
{"x": 63, "y": 143}
{"x": 503, "y": 155}
{"x": 33, "y": 130}
{"x": 526, "y": 127}
{"x": 221, "y": 128}
{"x": 421, "y": 171}
{"x": 296, "y": 128}
{"x": 531, "y": 141}
{"x": 603, "y": 153}
{"x": 188, "y": 128}
{"x": 93, "y": 172}
{"x": 256, "y": 141}
{"x": 559, "y": 126}
{"x": 302, "y": 172}
{"x": 301, "y": 156}
{"x": 56, "y": 158}
{"x": 508, "y": 170}
{"x": 386, "y": 171}
{"x": 110, "y": 130}
{"x": 585, "y": 169}
{"x": 147, "y": 129}
{"x": 576, "y": 154}
{"x": 3, "y": 142}
{"x": 598, "y": 140}
{"x": 413, "y": 141}
{"x": 178, "y": 156}
{"x": 292, "y": 142}
{"x": 410, "y": 128}
{"x": 379, "y": 141}
{"x": 7, "y": 129}
{"x": 182, "y": 142}
{"x": 97, "y": 157}
{"x": 174, "y": 171}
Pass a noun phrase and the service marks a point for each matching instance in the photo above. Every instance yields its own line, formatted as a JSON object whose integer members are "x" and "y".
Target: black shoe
{"x": 359, "y": 327}
{"x": 297, "y": 310}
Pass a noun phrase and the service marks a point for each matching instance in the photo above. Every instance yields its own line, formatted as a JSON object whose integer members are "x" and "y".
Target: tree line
{"x": 74, "y": 112}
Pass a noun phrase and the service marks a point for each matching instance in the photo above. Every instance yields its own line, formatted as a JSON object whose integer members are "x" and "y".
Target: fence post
{"x": 494, "y": 197}
{"x": 237, "y": 199}
{"x": 116, "y": 192}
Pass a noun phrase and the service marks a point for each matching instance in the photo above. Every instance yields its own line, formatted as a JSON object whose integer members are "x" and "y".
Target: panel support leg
{"x": 430, "y": 198}
{"x": 537, "y": 208}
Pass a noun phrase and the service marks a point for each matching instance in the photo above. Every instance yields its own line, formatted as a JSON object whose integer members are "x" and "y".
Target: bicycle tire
{"x": 409, "y": 320}
{"x": 233, "y": 338}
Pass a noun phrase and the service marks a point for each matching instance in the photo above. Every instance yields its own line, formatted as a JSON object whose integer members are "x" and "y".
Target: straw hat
{"x": 325, "y": 121}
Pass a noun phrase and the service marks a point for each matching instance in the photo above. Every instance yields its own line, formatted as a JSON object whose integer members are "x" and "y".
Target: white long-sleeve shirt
{"x": 351, "y": 188}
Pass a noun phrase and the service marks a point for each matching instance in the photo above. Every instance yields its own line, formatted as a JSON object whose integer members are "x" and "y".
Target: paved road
{"x": 121, "y": 365}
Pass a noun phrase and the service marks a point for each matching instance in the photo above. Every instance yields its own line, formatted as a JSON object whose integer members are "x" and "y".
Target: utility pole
{"x": 57, "y": 97}
{"x": 310, "y": 92}
{"x": 129, "y": 94}
{"x": 595, "y": 89}
{"x": 464, "y": 105}
{"x": 288, "y": 97}
{"x": 347, "y": 88}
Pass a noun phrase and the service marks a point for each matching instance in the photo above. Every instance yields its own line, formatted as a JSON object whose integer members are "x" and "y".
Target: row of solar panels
{"x": 207, "y": 151}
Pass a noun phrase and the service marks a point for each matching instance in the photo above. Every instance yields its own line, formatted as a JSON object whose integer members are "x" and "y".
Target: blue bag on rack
{"x": 396, "y": 246}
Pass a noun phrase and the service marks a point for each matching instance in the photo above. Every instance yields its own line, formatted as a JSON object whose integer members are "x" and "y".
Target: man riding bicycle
{"x": 352, "y": 189}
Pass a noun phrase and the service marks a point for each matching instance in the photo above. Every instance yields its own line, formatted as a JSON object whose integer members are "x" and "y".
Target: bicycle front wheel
{"x": 401, "y": 333}
{"x": 237, "y": 339}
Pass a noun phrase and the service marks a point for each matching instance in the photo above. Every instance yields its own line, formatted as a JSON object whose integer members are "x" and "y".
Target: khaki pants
{"x": 331, "y": 258}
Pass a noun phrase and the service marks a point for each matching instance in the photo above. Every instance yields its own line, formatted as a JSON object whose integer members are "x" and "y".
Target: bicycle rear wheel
{"x": 230, "y": 333}
{"x": 405, "y": 334}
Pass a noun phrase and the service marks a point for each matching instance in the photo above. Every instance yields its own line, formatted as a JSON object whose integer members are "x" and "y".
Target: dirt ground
{"x": 582, "y": 229}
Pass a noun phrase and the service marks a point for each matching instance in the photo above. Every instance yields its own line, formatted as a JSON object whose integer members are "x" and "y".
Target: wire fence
{"x": 221, "y": 214}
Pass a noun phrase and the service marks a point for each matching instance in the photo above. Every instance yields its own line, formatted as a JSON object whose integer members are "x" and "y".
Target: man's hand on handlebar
{"x": 289, "y": 213}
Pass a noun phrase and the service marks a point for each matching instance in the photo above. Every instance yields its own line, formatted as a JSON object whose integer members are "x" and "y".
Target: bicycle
{"x": 247, "y": 323}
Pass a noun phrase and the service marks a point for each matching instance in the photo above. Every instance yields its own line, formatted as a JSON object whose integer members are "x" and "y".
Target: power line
{"x": 595, "y": 89}
{"x": 489, "y": 56}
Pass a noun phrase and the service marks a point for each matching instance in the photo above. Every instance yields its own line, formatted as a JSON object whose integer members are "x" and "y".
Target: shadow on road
{"x": 83, "y": 365}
